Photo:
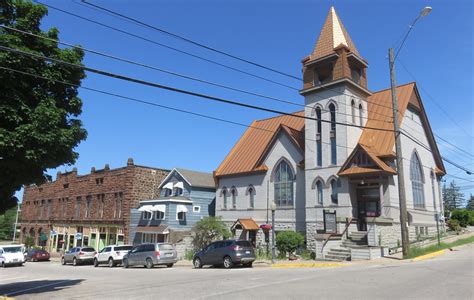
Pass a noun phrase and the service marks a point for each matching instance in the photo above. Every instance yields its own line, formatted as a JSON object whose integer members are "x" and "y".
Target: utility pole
{"x": 16, "y": 222}
{"x": 398, "y": 151}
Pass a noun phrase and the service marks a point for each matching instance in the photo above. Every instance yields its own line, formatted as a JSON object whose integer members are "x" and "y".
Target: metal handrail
{"x": 349, "y": 221}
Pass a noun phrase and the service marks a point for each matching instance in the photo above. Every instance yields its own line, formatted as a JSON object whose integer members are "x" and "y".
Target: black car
{"x": 227, "y": 253}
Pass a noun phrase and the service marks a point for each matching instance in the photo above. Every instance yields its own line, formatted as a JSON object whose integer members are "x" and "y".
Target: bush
{"x": 29, "y": 241}
{"x": 453, "y": 224}
{"x": 471, "y": 217}
{"x": 462, "y": 215}
{"x": 289, "y": 241}
{"x": 189, "y": 255}
{"x": 208, "y": 230}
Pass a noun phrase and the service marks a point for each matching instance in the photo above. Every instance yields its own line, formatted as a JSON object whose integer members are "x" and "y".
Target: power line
{"x": 196, "y": 56}
{"x": 180, "y": 75}
{"x": 183, "y": 111}
{"x": 167, "y": 47}
{"x": 179, "y": 37}
{"x": 182, "y": 91}
{"x": 433, "y": 100}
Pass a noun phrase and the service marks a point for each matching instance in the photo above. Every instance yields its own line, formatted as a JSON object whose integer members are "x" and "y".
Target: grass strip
{"x": 418, "y": 251}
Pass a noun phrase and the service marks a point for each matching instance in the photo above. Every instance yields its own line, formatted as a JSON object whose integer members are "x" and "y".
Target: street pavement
{"x": 449, "y": 276}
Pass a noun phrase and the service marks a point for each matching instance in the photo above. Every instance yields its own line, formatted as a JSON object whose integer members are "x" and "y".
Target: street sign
{"x": 329, "y": 221}
{"x": 53, "y": 233}
{"x": 78, "y": 236}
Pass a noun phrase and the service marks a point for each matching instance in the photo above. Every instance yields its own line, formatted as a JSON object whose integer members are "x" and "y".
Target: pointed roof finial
{"x": 332, "y": 36}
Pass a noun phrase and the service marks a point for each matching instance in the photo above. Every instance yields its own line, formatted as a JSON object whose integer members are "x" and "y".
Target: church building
{"x": 330, "y": 169}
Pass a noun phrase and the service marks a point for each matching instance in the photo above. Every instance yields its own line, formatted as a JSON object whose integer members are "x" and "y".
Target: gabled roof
{"x": 255, "y": 142}
{"x": 381, "y": 143}
{"x": 332, "y": 36}
{"x": 193, "y": 178}
{"x": 379, "y": 165}
{"x": 246, "y": 224}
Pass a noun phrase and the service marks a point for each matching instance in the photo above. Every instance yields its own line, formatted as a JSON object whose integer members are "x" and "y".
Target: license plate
{"x": 169, "y": 254}
{"x": 15, "y": 259}
{"x": 247, "y": 252}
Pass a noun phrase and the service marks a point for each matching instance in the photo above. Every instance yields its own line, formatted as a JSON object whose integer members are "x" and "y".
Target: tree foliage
{"x": 39, "y": 125}
{"x": 470, "y": 203}
{"x": 7, "y": 224}
{"x": 208, "y": 230}
{"x": 452, "y": 197}
{"x": 289, "y": 241}
{"x": 462, "y": 215}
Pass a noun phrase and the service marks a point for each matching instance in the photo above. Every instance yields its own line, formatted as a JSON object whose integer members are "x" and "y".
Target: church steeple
{"x": 335, "y": 58}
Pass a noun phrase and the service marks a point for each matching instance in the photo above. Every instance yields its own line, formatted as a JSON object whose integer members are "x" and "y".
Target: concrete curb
{"x": 429, "y": 255}
{"x": 310, "y": 265}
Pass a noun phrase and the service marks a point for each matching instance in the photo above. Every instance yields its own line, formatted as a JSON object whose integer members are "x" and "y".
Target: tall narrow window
{"x": 332, "y": 110}
{"x": 49, "y": 209}
{"x": 334, "y": 192}
{"x": 78, "y": 207}
{"x": 361, "y": 115}
{"x": 353, "y": 111}
{"x": 88, "y": 206}
{"x": 417, "y": 181}
{"x": 319, "y": 192}
{"x": 233, "y": 193}
{"x": 251, "y": 193}
{"x": 283, "y": 185}
{"x": 319, "y": 154}
{"x": 224, "y": 197}
{"x": 101, "y": 200}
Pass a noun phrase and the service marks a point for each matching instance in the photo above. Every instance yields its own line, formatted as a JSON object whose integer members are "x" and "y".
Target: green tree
{"x": 7, "y": 224}
{"x": 452, "y": 197}
{"x": 470, "y": 203}
{"x": 462, "y": 215}
{"x": 208, "y": 230}
{"x": 289, "y": 241}
{"x": 39, "y": 125}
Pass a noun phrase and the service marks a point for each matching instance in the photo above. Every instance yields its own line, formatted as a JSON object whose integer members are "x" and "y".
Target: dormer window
{"x": 168, "y": 192}
{"x": 178, "y": 191}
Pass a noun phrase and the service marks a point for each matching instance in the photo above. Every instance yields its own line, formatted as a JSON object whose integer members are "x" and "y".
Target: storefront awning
{"x": 179, "y": 185}
{"x": 181, "y": 208}
{"x": 161, "y": 229}
{"x": 169, "y": 185}
{"x": 159, "y": 207}
{"x": 148, "y": 208}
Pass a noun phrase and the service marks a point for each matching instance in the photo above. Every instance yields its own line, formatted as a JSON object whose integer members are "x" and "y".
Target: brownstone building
{"x": 92, "y": 209}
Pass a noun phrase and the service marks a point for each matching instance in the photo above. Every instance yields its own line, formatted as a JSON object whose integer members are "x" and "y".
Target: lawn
{"x": 418, "y": 251}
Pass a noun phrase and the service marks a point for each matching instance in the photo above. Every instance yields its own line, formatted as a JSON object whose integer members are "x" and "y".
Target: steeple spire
{"x": 333, "y": 35}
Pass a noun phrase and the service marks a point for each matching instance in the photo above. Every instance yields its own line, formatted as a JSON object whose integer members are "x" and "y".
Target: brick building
{"x": 92, "y": 209}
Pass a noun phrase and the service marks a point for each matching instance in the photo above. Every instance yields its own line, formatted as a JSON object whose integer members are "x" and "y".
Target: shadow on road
{"x": 36, "y": 287}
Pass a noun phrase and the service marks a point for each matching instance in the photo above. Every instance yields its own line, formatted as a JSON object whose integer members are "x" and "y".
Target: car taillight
{"x": 235, "y": 247}
{"x": 95, "y": 252}
{"x": 81, "y": 253}
{"x": 157, "y": 253}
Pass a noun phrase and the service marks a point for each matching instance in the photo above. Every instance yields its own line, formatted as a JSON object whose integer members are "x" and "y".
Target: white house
{"x": 339, "y": 163}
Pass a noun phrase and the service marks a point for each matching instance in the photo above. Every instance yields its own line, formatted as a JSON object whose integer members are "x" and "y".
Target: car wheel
{"x": 125, "y": 263}
{"x": 74, "y": 261}
{"x": 111, "y": 263}
{"x": 63, "y": 261}
{"x": 3, "y": 264}
{"x": 248, "y": 265}
{"x": 227, "y": 262}
{"x": 197, "y": 263}
{"x": 96, "y": 262}
{"x": 169, "y": 265}
{"x": 149, "y": 263}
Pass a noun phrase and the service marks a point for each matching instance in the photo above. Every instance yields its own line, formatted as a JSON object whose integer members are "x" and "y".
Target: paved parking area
{"x": 449, "y": 276}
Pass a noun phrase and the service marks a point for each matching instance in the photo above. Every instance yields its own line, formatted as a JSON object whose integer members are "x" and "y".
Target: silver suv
{"x": 111, "y": 255}
{"x": 78, "y": 255}
{"x": 149, "y": 255}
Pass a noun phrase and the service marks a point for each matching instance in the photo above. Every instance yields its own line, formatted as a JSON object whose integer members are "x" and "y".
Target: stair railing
{"x": 349, "y": 221}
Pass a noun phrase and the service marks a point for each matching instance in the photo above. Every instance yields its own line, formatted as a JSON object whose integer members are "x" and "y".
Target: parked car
{"x": 111, "y": 255}
{"x": 79, "y": 255}
{"x": 149, "y": 255}
{"x": 11, "y": 255}
{"x": 227, "y": 253}
{"x": 37, "y": 255}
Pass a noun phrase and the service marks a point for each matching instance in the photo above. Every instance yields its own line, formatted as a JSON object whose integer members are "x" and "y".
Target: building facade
{"x": 184, "y": 198}
{"x": 333, "y": 171}
{"x": 93, "y": 209}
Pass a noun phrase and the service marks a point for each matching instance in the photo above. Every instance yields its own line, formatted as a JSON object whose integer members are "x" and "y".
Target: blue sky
{"x": 273, "y": 33}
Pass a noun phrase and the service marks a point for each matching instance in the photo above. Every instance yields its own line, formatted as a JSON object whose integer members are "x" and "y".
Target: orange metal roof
{"x": 247, "y": 224}
{"x": 246, "y": 154}
{"x": 330, "y": 37}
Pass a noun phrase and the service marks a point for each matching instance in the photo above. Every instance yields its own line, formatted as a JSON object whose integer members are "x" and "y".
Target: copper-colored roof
{"x": 359, "y": 171}
{"x": 247, "y": 153}
{"x": 247, "y": 224}
{"x": 333, "y": 34}
{"x": 154, "y": 229}
{"x": 380, "y": 165}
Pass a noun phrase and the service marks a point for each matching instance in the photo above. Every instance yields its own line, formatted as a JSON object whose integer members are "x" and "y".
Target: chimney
{"x": 92, "y": 170}
{"x": 130, "y": 161}
{"x": 107, "y": 167}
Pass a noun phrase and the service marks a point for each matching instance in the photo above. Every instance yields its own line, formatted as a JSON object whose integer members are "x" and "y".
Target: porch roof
{"x": 246, "y": 224}
{"x": 161, "y": 229}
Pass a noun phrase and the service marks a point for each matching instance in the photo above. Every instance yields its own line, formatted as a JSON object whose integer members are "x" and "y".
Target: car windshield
{"x": 123, "y": 248}
{"x": 88, "y": 249}
{"x": 244, "y": 244}
{"x": 12, "y": 249}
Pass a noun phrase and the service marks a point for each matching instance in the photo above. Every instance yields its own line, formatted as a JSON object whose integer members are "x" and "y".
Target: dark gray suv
{"x": 227, "y": 253}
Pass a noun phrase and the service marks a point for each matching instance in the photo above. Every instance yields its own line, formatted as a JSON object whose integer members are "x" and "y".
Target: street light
{"x": 273, "y": 208}
{"x": 398, "y": 146}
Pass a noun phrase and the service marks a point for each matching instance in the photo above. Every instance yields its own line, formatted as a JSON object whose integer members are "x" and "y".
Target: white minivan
{"x": 11, "y": 255}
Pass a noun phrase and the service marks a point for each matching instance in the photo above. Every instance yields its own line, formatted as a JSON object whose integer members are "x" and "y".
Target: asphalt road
{"x": 449, "y": 276}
